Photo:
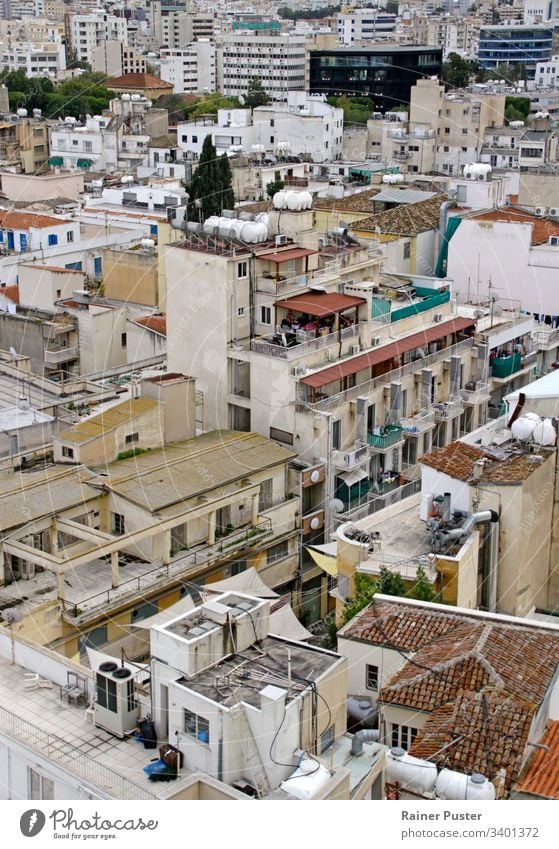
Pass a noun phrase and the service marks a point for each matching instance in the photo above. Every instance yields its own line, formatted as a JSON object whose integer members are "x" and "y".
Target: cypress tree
{"x": 228, "y": 195}
{"x": 206, "y": 186}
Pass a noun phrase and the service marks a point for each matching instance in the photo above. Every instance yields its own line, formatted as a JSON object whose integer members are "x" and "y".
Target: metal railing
{"x": 374, "y": 503}
{"x": 545, "y": 337}
{"x": 477, "y": 395}
{"x": 263, "y": 345}
{"x": 325, "y": 404}
{"x": 447, "y": 410}
{"x": 70, "y": 758}
{"x": 391, "y": 436}
{"x": 419, "y": 423}
{"x": 374, "y": 563}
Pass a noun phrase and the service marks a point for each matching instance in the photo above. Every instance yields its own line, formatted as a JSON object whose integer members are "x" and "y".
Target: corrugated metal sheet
{"x": 385, "y": 353}
{"x": 403, "y": 196}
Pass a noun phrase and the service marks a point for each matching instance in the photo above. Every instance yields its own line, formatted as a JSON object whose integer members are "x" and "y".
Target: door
{"x": 10, "y": 240}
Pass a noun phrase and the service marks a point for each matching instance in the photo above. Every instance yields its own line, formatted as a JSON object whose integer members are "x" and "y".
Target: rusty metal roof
{"x": 320, "y": 304}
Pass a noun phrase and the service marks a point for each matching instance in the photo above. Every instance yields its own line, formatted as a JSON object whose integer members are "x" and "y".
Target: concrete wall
{"x": 40, "y": 287}
{"x": 131, "y": 276}
{"x": 24, "y": 187}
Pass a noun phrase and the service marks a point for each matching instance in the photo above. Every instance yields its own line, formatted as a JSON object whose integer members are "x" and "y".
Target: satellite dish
{"x": 12, "y": 615}
{"x": 337, "y": 505}
{"x": 13, "y": 353}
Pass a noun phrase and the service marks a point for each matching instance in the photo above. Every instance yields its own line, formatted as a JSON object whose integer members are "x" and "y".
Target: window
{"x": 407, "y": 250}
{"x": 67, "y": 452}
{"x": 277, "y": 552}
{"x": 281, "y": 435}
{"x": 336, "y": 435}
{"x": 371, "y": 677}
{"x": 75, "y": 142}
{"x": 106, "y": 692}
{"x": 327, "y": 739}
{"x": 403, "y": 736}
{"x": 196, "y": 726}
{"x": 194, "y": 139}
{"x": 58, "y": 293}
{"x": 88, "y": 146}
{"x": 265, "y": 498}
{"x": 144, "y": 611}
{"x": 464, "y": 131}
{"x": 266, "y": 315}
{"x": 70, "y": 236}
{"x": 53, "y": 239}
{"x": 39, "y": 786}
{"x": 447, "y": 131}
{"x": 117, "y": 523}
{"x": 271, "y": 140}
{"x": 272, "y": 122}
{"x": 240, "y": 312}
{"x": 131, "y": 437}
{"x": 123, "y": 340}
{"x": 241, "y": 270}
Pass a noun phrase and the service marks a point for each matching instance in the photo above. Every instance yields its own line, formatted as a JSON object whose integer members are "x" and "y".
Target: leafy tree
{"x": 273, "y": 187}
{"x": 423, "y": 588}
{"x": 206, "y": 185}
{"x": 517, "y": 108}
{"x": 79, "y": 96}
{"x": 390, "y": 583}
{"x": 227, "y": 193}
{"x": 365, "y": 588}
{"x": 511, "y": 73}
{"x": 27, "y": 92}
{"x": 256, "y": 95}
{"x": 175, "y": 106}
{"x": 456, "y": 71}
{"x": 208, "y": 104}
{"x": 357, "y": 110}
{"x": 391, "y": 7}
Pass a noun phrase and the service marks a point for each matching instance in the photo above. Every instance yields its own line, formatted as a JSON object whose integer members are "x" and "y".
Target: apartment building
{"x": 31, "y": 29}
{"x": 191, "y": 69}
{"x": 115, "y": 59}
{"x": 547, "y": 74}
{"x": 102, "y": 143}
{"x": 526, "y": 45}
{"x": 174, "y": 25}
{"x": 362, "y": 25}
{"x": 88, "y": 32}
{"x": 277, "y": 60}
{"x": 24, "y": 144}
{"x": 34, "y": 58}
{"x": 49, "y": 341}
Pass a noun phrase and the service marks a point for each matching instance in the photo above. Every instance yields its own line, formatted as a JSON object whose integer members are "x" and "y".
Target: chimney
{"x": 177, "y": 395}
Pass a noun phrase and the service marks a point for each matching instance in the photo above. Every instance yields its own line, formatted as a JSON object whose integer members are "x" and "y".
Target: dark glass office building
{"x": 383, "y": 73}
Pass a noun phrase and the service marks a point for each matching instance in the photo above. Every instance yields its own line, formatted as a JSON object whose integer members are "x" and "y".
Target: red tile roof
{"x": 457, "y": 459}
{"x": 285, "y": 255}
{"x": 320, "y": 304}
{"x": 157, "y": 323}
{"x": 541, "y": 775}
{"x": 56, "y": 268}
{"x": 385, "y": 353}
{"x": 479, "y": 732}
{"x": 137, "y": 81}
{"x": 11, "y": 292}
{"x": 24, "y": 220}
{"x": 398, "y": 626}
{"x": 542, "y": 228}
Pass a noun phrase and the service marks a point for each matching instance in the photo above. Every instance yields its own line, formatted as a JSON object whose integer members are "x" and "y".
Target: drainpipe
{"x": 493, "y": 564}
{"x": 443, "y": 221}
{"x": 369, "y": 735}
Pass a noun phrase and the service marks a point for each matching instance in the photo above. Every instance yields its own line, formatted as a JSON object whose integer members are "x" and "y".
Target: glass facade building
{"x": 525, "y": 45}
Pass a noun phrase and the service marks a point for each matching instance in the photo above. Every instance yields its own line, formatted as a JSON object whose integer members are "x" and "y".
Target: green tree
{"x": 227, "y": 193}
{"x": 175, "y": 106}
{"x": 26, "y": 92}
{"x": 390, "y": 583}
{"x": 357, "y": 109}
{"x": 365, "y": 588}
{"x": 423, "y": 588}
{"x": 206, "y": 186}
{"x": 456, "y": 71}
{"x": 79, "y": 96}
{"x": 517, "y": 108}
{"x": 256, "y": 94}
{"x": 208, "y": 104}
{"x": 273, "y": 187}
{"x": 511, "y": 73}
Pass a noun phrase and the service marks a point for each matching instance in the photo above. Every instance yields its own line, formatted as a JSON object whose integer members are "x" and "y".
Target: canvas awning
{"x": 248, "y": 582}
{"x": 284, "y": 623}
{"x": 84, "y": 163}
{"x": 325, "y": 556}
{"x": 353, "y": 477}
{"x": 56, "y": 160}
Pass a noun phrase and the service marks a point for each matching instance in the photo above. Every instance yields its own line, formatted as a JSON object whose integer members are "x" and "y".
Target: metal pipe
{"x": 370, "y": 735}
{"x": 471, "y": 521}
{"x": 447, "y": 506}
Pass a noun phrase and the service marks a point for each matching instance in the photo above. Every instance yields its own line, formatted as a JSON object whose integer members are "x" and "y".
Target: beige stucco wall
{"x": 26, "y": 187}
{"x": 131, "y": 276}
{"x": 40, "y": 287}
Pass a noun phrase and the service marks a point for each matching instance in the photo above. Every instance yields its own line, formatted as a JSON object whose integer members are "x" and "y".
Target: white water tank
{"x": 279, "y": 200}
{"x": 476, "y": 170}
{"x": 125, "y": 97}
{"x": 523, "y": 428}
{"x": 307, "y": 781}
{"x": 457, "y": 786}
{"x": 306, "y": 200}
{"x": 136, "y": 98}
{"x": 413, "y": 774}
{"x": 21, "y": 113}
{"x": 293, "y": 201}
{"x": 127, "y": 179}
{"x": 148, "y": 244}
{"x": 426, "y": 506}
{"x": 544, "y": 433}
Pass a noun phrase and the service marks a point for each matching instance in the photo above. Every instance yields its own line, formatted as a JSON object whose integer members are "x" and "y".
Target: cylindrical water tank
{"x": 261, "y": 231}
{"x": 210, "y": 224}
{"x": 544, "y": 433}
{"x": 279, "y": 200}
{"x": 97, "y": 184}
{"x": 361, "y": 714}
{"x": 148, "y": 243}
{"x": 125, "y": 96}
{"x": 523, "y": 428}
{"x": 457, "y": 786}
{"x": 412, "y": 774}
{"x": 22, "y": 113}
{"x": 306, "y": 200}
{"x": 136, "y": 98}
{"x": 293, "y": 201}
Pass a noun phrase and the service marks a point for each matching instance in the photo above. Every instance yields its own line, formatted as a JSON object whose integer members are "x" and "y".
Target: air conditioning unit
{"x": 541, "y": 211}
{"x": 375, "y": 341}
{"x": 355, "y": 349}
{"x": 281, "y": 240}
{"x": 437, "y": 317}
{"x": 554, "y": 240}
{"x": 115, "y": 707}
{"x": 26, "y": 570}
{"x": 353, "y": 458}
{"x": 553, "y": 211}
{"x": 299, "y": 370}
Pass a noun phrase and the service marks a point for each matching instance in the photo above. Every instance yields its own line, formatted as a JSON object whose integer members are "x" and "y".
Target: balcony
{"x": 503, "y": 367}
{"x": 446, "y": 410}
{"x": 350, "y": 459}
{"x": 54, "y": 356}
{"x": 387, "y": 437}
{"x": 401, "y": 155}
{"x": 408, "y": 571}
{"x": 545, "y": 337}
{"x": 476, "y": 392}
{"x": 418, "y": 424}
{"x": 266, "y": 344}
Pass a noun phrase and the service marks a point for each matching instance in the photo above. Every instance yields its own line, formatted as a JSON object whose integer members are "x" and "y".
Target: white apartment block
{"x": 103, "y": 143}
{"x": 366, "y": 25}
{"x": 547, "y": 73}
{"x": 277, "y": 60}
{"x": 34, "y": 59}
{"x": 540, "y": 11}
{"x": 191, "y": 69}
{"x": 30, "y": 29}
{"x": 90, "y": 31}
{"x": 176, "y": 29}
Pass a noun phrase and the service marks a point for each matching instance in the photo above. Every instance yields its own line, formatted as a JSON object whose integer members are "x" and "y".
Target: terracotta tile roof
{"x": 157, "y": 323}
{"x": 138, "y": 81}
{"x": 358, "y": 202}
{"x": 405, "y": 220}
{"x": 25, "y": 220}
{"x": 11, "y": 292}
{"x": 522, "y": 661}
{"x": 542, "y": 228}
{"x": 457, "y": 460}
{"x": 486, "y": 731}
{"x": 399, "y": 626}
{"x": 541, "y": 775}
{"x": 56, "y": 268}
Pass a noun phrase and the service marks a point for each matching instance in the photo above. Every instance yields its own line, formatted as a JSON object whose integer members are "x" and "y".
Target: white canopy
{"x": 542, "y": 396}
{"x": 284, "y": 623}
{"x": 248, "y": 582}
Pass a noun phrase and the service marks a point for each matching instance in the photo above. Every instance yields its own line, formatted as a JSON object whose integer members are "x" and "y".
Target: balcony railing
{"x": 264, "y": 345}
{"x": 476, "y": 395}
{"x": 53, "y": 356}
{"x": 419, "y": 423}
{"x": 391, "y": 435}
{"x": 332, "y": 401}
{"x": 372, "y": 503}
{"x": 446, "y": 410}
{"x": 545, "y": 337}
{"x": 407, "y": 570}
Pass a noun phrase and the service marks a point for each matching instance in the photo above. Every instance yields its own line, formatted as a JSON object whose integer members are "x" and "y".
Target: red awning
{"x": 285, "y": 255}
{"x": 320, "y": 304}
{"x": 385, "y": 353}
